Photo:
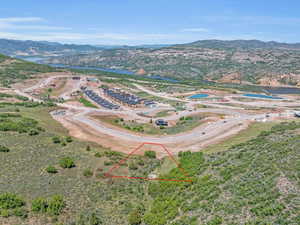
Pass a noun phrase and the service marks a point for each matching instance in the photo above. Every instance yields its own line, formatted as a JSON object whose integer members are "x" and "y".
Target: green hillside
{"x": 13, "y": 70}
{"x": 257, "y": 182}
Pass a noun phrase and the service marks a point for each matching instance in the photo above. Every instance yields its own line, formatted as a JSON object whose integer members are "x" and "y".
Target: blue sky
{"x": 134, "y": 22}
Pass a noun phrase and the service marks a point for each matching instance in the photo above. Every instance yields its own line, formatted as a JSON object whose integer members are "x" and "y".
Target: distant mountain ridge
{"x": 241, "y": 44}
{"x": 238, "y": 61}
{"x": 46, "y": 48}
{"x": 32, "y": 48}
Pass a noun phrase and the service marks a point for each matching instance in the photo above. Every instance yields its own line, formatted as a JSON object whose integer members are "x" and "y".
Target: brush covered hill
{"x": 266, "y": 63}
{"x": 41, "y": 48}
{"x": 49, "y": 178}
{"x": 15, "y": 70}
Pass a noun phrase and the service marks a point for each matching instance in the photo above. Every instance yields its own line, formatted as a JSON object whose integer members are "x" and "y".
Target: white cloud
{"x": 32, "y": 27}
{"x": 253, "y": 20}
{"x": 21, "y": 23}
{"x": 20, "y": 19}
{"x": 194, "y": 30}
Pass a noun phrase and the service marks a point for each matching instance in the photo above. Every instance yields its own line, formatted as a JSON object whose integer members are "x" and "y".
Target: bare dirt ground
{"x": 127, "y": 141}
{"x": 84, "y": 132}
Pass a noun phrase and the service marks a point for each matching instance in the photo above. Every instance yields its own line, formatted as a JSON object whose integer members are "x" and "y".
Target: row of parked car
{"x": 100, "y": 101}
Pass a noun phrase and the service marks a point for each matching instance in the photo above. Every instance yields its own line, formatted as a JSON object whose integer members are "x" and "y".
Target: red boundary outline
{"x": 116, "y": 166}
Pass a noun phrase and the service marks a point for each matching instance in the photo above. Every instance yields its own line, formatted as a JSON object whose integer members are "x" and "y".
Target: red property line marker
{"x": 108, "y": 174}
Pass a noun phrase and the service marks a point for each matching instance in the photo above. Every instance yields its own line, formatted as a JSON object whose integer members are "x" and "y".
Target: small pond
{"x": 261, "y": 96}
{"x": 196, "y": 96}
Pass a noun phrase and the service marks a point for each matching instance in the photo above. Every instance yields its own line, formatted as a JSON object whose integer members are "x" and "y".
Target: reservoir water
{"x": 196, "y": 96}
{"x": 261, "y": 96}
{"x": 119, "y": 71}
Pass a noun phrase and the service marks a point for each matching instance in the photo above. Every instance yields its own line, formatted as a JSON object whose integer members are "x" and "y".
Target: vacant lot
{"x": 184, "y": 124}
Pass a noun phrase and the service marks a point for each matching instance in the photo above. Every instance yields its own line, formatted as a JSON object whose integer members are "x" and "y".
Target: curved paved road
{"x": 207, "y": 133}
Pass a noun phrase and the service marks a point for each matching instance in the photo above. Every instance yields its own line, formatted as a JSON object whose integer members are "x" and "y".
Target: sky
{"x": 136, "y": 22}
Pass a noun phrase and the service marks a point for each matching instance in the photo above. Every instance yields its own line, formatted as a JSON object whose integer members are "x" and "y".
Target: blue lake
{"x": 125, "y": 72}
{"x": 261, "y": 96}
{"x": 196, "y": 96}
{"x": 119, "y": 71}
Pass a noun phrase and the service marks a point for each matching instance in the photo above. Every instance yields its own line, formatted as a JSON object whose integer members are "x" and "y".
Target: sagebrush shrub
{"x": 67, "y": 162}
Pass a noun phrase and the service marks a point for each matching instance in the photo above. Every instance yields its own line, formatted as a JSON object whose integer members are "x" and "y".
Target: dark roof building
{"x": 100, "y": 101}
{"x": 161, "y": 122}
{"x": 122, "y": 97}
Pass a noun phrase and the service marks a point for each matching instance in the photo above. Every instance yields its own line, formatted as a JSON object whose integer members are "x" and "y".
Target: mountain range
{"x": 238, "y": 61}
{"x": 41, "y": 48}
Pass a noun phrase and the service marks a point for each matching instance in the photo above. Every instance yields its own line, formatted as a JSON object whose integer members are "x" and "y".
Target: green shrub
{"x": 132, "y": 166}
{"x": 66, "y": 162}
{"x": 69, "y": 139}
{"x": 87, "y": 173}
{"x": 56, "y": 140}
{"x": 20, "y": 212}
{"x": 217, "y": 220}
{"x": 4, "y": 149}
{"x": 56, "y": 205}
{"x": 51, "y": 169}
{"x": 39, "y": 205}
{"x": 107, "y": 163}
{"x": 150, "y": 154}
{"x": 89, "y": 219}
{"x": 98, "y": 154}
{"x": 33, "y": 132}
{"x": 135, "y": 217}
{"x": 88, "y": 148}
{"x": 141, "y": 162}
{"x": 4, "y": 213}
{"x": 10, "y": 201}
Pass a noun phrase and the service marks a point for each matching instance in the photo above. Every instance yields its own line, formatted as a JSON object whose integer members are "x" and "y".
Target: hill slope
{"x": 43, "y": 48}
{"x": 266, "y": 63}
{"x": 13, "y": 70}
{"x": 257, "y": 182}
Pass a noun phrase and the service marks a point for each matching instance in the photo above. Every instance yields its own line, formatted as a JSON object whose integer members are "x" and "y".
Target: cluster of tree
{"x": 4, "y": 148}
{"x": 17, "y": 123}
{"x": 52, "y": 206}
{"x": 22, "y": 98}
{"x": 28, "y": 104}
{"x": 11, "y": 204}
{"x": 62, "y": 140}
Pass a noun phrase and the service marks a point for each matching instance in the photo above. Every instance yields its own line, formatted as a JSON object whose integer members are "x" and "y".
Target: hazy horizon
{"x": 134, "y": 22}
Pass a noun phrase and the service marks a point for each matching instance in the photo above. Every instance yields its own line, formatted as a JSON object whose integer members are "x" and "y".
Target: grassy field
{"x": 87, "y": 103}
{"x": 23, "y": 171}
{"x": 184, "y": 124}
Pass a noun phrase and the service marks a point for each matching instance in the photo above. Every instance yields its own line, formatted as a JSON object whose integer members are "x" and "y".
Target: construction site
{"x": 120, "y": 116}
